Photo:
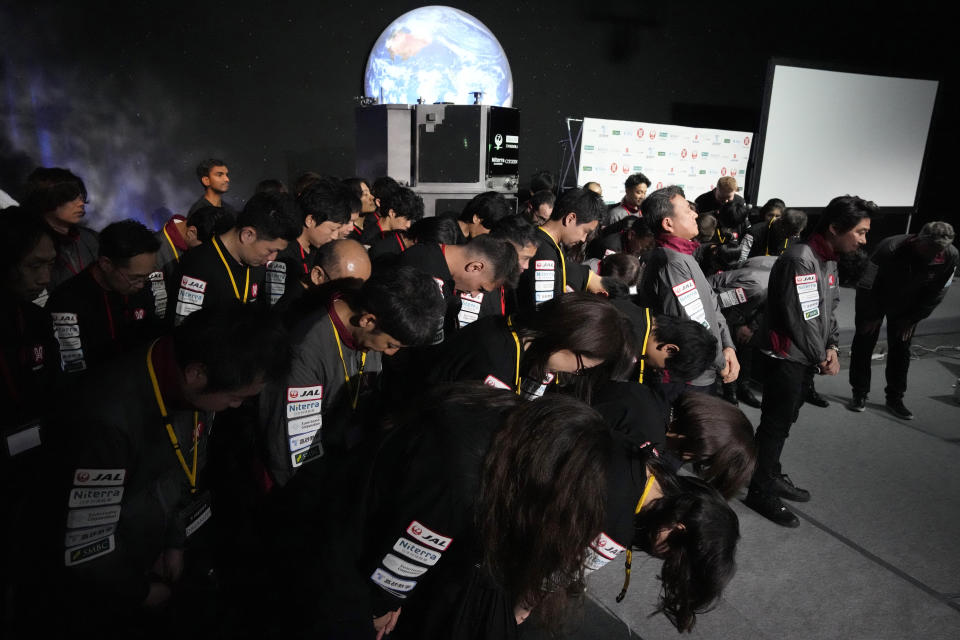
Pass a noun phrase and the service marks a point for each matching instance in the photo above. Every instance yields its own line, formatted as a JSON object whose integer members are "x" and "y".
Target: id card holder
{"x": 195, "y": 514}
{"x": 22, "y": 438}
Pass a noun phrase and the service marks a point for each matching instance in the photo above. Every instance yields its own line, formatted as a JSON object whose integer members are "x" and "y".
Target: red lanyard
{"x": 400, "y": 242}
{"x": 303, "y": 258}
{"x": 503, "y": 302}
{"x": 106, "y": 305}
{"x": 377, "y": 216}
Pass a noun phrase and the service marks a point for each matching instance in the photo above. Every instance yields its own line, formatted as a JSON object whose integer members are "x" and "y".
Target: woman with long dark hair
{"x": 479, "y": 508}
{"x": 581, "y": 334}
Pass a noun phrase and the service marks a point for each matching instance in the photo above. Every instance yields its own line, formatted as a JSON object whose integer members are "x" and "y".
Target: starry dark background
{"x": 130, "y": 95}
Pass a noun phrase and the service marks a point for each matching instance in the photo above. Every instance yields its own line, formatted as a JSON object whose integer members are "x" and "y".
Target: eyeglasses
{"x": 135, "y": 281}
{"x": 580, "y": 368}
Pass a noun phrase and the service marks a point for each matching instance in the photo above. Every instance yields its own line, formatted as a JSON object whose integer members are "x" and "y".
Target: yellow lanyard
{"x": 176, "y": 256}
{"x": 766, "y": 249}
{"x": 516, "y": 340}
{"x": 629, "y": 563}
{"x": 346, "y": 374}
{"x": 191, "y": 473}
{"x": 720, "y": 237}
{"x": 646, "y": 338}
{"x": 246, "y": 285}
{"x": 563, "y": 263}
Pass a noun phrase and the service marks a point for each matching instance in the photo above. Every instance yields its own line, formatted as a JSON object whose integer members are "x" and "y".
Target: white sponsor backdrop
{"x": 693, "y": 158}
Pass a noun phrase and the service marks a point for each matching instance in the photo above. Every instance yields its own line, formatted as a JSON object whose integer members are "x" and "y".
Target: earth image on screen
{"x": 439, "y": 54}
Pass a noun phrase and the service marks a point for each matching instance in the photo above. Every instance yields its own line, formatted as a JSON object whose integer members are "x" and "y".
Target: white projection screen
{"x": 831, "y": 133}
{"x": 693, "y": 158}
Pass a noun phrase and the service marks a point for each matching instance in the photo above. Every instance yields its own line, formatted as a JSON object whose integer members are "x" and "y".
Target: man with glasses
{"x": 107, "y": 308}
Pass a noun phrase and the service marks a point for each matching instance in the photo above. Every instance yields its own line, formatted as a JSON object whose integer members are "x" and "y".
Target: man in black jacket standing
{"x": 802, "y": 334}
{"x": 906, "y": 278}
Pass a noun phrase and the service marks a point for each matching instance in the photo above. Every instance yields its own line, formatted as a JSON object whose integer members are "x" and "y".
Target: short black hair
{"x": 792, "y": 222}
{"x": 437, "y": 229}
{"x": 542, "y": 181}
{"x": 697, "y": 347}
{"x": 406, "y": 302}
{"x": 206, "y": 166}
{"x": 383, "y": 187}
{"x": 500, "y": 255}
{"x": 634, "y": 179}
{"x": 542, "y": 197}
{"x": 272, "y": 216}
{"x": 732, "y": 214}
{"x": 21, "y": 234}
{"x": 120, "y": 241}
{"x": 404, "y": 202}
{"x": 49, "y": 187}
{"x": 585, "y": 203}
{"x": 237, "y": 346}
{"x": 304, "y": 180}
{"x": 270, "y": 184}
{"x": 490, "y": 207}
{"x": 846, "y": 212}
{"x": 211, "y": 221}
{"x": 516, "y": 229}
{"x": 325, "y": 200}
{"x": 657, "y": 206}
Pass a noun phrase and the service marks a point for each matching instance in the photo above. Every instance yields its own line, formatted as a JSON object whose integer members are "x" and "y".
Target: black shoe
{"x": 783, "y": 487}
{"x": 895, "y": 406}
{"x": 771, "y": 508}
{"x": 858, "y": 402}
{"x": 746, "y": 397}
{"x": 730, "y": 393}
{"x": 816, "y": 399}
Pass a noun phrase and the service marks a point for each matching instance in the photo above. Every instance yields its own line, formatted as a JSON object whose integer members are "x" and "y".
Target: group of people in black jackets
{"x": 326, "y": 415}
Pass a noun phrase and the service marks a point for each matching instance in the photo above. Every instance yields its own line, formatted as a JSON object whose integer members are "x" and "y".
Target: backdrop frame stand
{"x": 568, "y": 154}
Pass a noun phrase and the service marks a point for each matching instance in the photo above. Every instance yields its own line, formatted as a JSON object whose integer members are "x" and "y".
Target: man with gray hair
{"x": 906, "y": 278}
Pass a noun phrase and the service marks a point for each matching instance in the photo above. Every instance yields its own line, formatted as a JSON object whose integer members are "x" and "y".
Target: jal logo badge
{"x": 805, "y": 278}
{"x": 193, "y": 284}
{"x": 432, "y": 539}
{"x": 296, "y": 394}
{"x": 99, "y": 477}
{"x": 544, "y": 265}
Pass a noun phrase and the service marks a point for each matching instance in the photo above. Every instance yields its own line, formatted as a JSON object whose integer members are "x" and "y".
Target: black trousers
{"x": 782, "y": 398}
{"x": 869, "y": 317}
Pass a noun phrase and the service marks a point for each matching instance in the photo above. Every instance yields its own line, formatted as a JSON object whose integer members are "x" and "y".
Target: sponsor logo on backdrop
{"x": 683, "y": 153}
{"x": 640, "y": 132}
{"x": 613, "y": 167}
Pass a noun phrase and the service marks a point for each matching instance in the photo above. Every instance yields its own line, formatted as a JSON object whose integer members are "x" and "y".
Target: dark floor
{"x": 876, "y": 554}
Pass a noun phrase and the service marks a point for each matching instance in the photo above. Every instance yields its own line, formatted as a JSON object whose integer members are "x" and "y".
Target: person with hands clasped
{"x": 801, "y": 334}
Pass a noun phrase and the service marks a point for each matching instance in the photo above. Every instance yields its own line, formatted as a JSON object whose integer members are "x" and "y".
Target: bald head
{"x": 341, "y": 259}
